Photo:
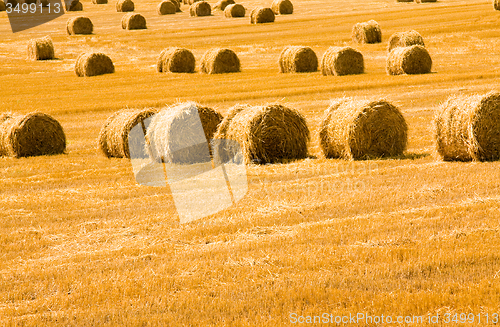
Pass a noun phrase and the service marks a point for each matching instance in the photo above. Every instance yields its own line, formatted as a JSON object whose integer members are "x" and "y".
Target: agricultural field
{"x": 82, "y": 244}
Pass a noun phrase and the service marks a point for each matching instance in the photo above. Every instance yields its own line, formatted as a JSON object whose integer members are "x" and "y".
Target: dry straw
{"x": 467, "y": 127}
{"x": 166, "y": 8}
{"x": 423, "y": 1}
{"x": 405, "y": 39}
{"x": 282, "y": 7}
{"x": 200, "y": 8}
{"x": 34, "y": 134}
{"x": 367, "y": 32}
{"x": 99, "y": 2}
{"x": 298, "y": 59}
{"x": 261, "y": 15}
{"x": 496, "y": 4}
{"x": 2, "y": 6}
{"x": 404, "y": 0}
{"x": 342, "y": 61}
{"x": 222, "y": 4}
{"x": 74, "y": 5}
{"x": 79, "y": 25}
{"x": 362, "y": 129}
{"x": 233, "y": 11}
{"x": 176, "y": 60}
{"x": 133, "y": 21}
{"x": 41, "y": 49}
{"x": 266, "y": 134}
{"x": 175, "y": 136}
{"x": 409, "y": 60}
{"x": 93, "y": 64}
{"x": 125, "y": 6}
{"x": 113, "y": 138}
{"x": 220, "y": 61}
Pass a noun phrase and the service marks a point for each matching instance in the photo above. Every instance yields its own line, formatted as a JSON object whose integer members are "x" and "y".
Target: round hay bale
{"x": 362, "y": 129}
{"x": 222, "y": 4}
{"x": 41, "y": 49}
{"x": 261, "y": 15}
{"x": 341, "y": 61}
{"x": 496, "y": 4}
{"x": 3, "y": 7}
{"x": 79, "y": 25}
{"x": 99, "y": 2}
{"x": 166, "y": 8}
{"x": 177, "y": 5}
{"x": 220, "y": 61}
{"x": 367, "y": 32}
{"x": 282, "y": 7}
{"x": 125, "y": 6}
{"x": 74, "y": 5}
{"x": 409, "y": 60}
{"x": 298, "y": 59}
{"x": 266, "y": 134}
{"x": 200, "y": 8}
{"x": 467, "y": 127}
{"x": 175, "y": 137}
{"x": 113, "y": 138}
{"x": 405, "y": 39}
{"x": 93, "y": 64}
{"x": 176, "y": 60}
{"x": 133, "y": 21}
{"x": 233, "y": 11}
{"x": 34, "y": 134}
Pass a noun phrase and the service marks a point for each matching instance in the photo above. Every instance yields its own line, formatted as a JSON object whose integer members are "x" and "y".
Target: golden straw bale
{"x": 79, "y": 25}
{"x": 74, "y": 5}
{"x": 405, "y": 39}
{"x": 496, "y": 4}
{"x": 41, "y": 49}
{"x": 362, "y": 129}
{"x": 113, "y": 138}
{"x": 99, "y": 2}
{"x": 367, "y": 32}
{"x": 467, "y": 127}
{"x": 93, "y": 64}
{"x": 220, "y": 61}
{"x": 222, "y": 4}
{"x": 176, "y": 60}
{"x": 282, "y": 7}
{"x": 3, "y": 7}
{"x": 233, "y": 11}
{"x": 133, "y": 21}
{"x": 342, "y": 61}
{"x": 34, "y": 134}
{"x": 409, "y": 60}
{"x": 298, "y": 59}
{"x": 266, "y": 134}
{"x": 261, "y": 15}
{"x": 166, "y": 8}
{"x": 200, "y": 8}
{"x": 125, "y": 6}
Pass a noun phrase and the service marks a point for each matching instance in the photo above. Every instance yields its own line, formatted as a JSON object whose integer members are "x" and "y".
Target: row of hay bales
{"x": 466, "y": 128}
{"x": 407, "y": 56}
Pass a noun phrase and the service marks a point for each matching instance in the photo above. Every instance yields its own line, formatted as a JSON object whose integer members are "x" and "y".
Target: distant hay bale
{"x": 341, "y": 61}
{"x": 282, "y": 7}
{"x": 41, "y": 49}
{"x": 233, "y": 11}
{"x": 266, "y": 134}
{"x": 261, "y": 15}
{"x": 2, "y": 6}
{"x": 34, "y": 134}
{"x": 200, "y": 8}
{"x": 177, "y": 5}
{"x": 93, "y": 64}
{"x": 298, "y": 59}
{"x": 176, "y": 60}
{"x": 367, "y": 32}
{"x": 496, "y": 4}
{"x": 74, "y": 5}
{"x": 423, "y": 1}
{"x": 405, "y": 39}
{"x": 99, "y": 2}
{"x": 409, "y": 60}
{"x": 125, "y": 6}
{"x": 175, "y": 136}
{"x": 362, "y": 129}
{"x": 220, "y": 61}
{"x": 79, "y": 25}
{"x": 467, "y": 127}
{"x": 133, "y": 21}
{"x": 166, "y": 8}
{"x": 222, "y": 4}
{"x": 113, "y": 138}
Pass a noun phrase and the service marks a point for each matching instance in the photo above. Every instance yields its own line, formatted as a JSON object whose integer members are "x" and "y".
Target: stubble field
{"x": 81, "y": 243}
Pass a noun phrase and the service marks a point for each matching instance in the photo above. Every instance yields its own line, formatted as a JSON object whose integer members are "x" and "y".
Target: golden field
{"x": 82, "y": 244}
